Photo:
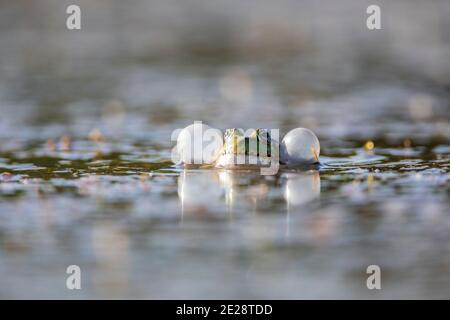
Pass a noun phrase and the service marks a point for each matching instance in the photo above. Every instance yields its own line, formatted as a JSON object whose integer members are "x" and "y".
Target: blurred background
{"x": 228, "y": 63}
{"x": 85, "y": 127}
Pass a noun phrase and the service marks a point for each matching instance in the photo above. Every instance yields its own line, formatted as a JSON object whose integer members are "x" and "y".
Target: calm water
{"x": 85, "y": 171}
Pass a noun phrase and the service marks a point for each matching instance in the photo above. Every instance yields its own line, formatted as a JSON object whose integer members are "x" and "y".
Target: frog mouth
{"x": 249, "y": 149}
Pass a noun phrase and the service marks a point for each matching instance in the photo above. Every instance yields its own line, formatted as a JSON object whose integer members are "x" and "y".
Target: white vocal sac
{"x": 199, "y": 144}
{"x": 299, "y": 146}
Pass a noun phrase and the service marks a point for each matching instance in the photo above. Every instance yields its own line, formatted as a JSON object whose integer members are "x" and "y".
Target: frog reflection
{"x": 199, "y": 192}
{"x": 301, "y": 188}
{"x": 233, "y": 192}
{"x": 220, "y": 192}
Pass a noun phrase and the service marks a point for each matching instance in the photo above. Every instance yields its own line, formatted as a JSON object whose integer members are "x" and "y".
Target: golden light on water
{"x": 369, "y": 145}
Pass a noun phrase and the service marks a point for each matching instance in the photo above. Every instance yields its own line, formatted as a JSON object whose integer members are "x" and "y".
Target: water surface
{"x": 85, "y": 144}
